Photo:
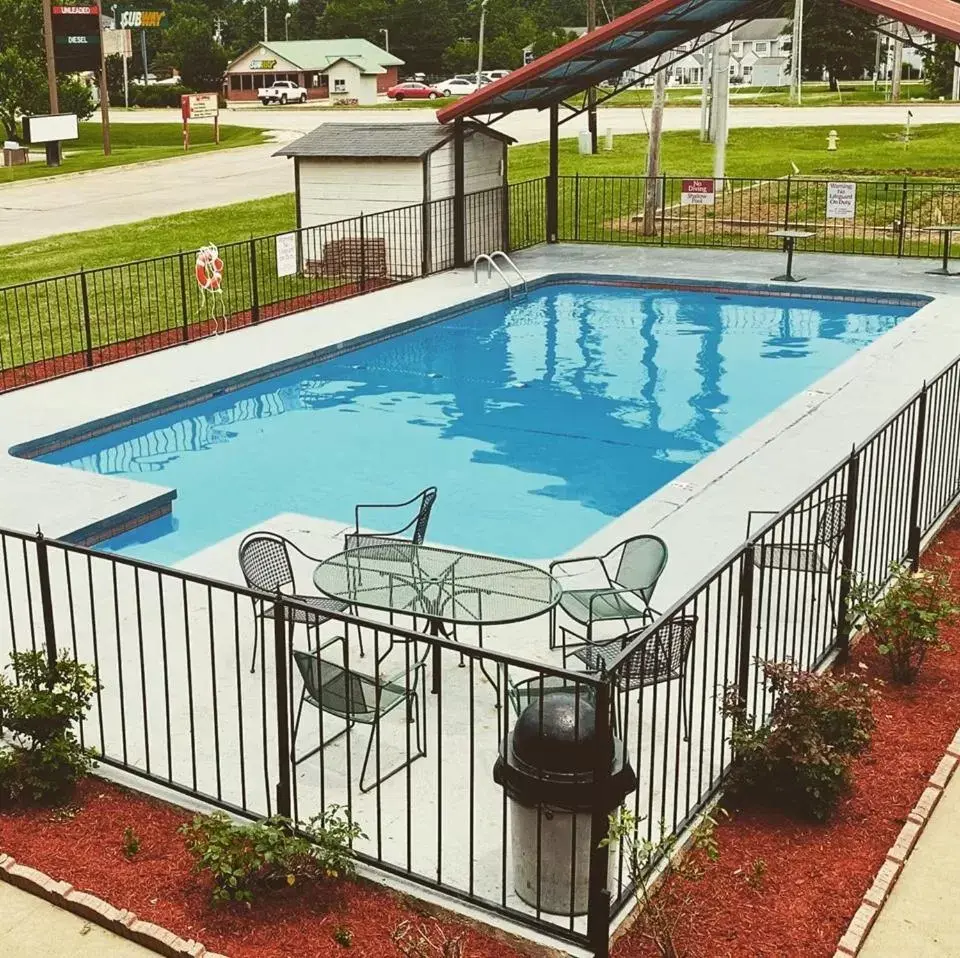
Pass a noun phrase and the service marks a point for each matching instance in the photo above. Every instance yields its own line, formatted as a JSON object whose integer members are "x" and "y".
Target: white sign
{"x": 696, "y": 193}
{"x": 117, "y": 43}
{"x": 841, "y": 201}
{"x": 49, "y": 128}
{"x": 287, "y": 254}
{"x": 202, "y": 105}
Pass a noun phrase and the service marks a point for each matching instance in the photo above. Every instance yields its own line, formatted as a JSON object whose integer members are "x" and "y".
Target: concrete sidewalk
{"x": 31, "y": 927}
{"x": 921, "y": 918}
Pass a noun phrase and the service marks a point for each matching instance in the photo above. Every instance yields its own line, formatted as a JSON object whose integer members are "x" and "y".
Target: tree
{"x": 838, "y": 41}
{"x": 73, "y": 96}
{"x": 938, "y": 69}
{"x": 549, "y": 40}
{"x": 199, "y": 58}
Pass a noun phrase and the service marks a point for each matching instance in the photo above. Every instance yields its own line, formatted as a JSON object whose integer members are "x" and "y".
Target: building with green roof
{"x": 343, "y": 70}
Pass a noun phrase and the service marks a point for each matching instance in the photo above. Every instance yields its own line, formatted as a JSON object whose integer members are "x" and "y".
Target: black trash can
{"x": 548, "y": 774}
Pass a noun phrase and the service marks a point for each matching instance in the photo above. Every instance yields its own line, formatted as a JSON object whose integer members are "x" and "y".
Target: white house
{"x": 343, "y": 170}
{"x": 346, "y": 70}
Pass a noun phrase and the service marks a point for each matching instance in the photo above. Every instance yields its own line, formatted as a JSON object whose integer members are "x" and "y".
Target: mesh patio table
{"x": 442, "y": 586}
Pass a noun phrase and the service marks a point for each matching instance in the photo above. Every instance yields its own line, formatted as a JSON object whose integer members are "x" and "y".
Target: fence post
{"x": 846, "y": 556}
{"x": 598, "y": 901}
{"x": 255, "y": 301}
{"x": 363, "y": 255}
{"x": 185, "y": 318}
{"x": 903, "y": 218}
{"x": 913, "y": 547}
{"x": 786, "y": 211}
{"x": 576, "y": 209}
{"x": 280, "y": 612}
{"x": 85, "y": 300}
{"x": 663, "y": 208}
{"x": 745, "y": 639}
{"x": 46, "y": 600}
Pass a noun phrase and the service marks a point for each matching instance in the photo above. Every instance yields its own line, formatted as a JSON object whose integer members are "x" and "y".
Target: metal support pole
{"x": 598, "y": 903}
{"x": 747, "y": 563}
{"x": 46, "y": 600}
{"x": 143, "y": 56}
{"x": 846, "y": 556}
{"x": 721, "y": 106}
{"x": 280, "y": 613}
{"x": 592, "y": 92}
{"x": 85, "y": 305}
{"x": 955, "y": 89}
{"x": 553, "y": 176}
{"x": 913, "y": 547}
{"x": 459, "y": 197}
{"x": 255, "y": 297}
{"x": 796, "y": 55}
{"x": 705, "y": 91}
{"x": 896, "y": 72}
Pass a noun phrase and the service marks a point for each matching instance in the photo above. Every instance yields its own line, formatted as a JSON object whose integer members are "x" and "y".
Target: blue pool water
{"x": 539, "y": 419}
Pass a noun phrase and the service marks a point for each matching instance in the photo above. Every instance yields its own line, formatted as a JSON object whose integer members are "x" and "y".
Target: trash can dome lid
{"x": 559, "y": 734}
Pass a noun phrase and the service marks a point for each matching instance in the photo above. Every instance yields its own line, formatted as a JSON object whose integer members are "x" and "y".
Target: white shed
{"x": 345, "y": 170}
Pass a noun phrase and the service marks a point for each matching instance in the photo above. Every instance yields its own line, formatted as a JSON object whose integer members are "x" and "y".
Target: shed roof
{"x": 379, "y": 140}
{"x": 320, "y": 54}
{"x": 653, "y": 30}
{"x": 766, "y": 28}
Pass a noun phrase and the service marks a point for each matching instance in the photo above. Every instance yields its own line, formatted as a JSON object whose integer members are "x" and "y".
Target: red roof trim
{"x": 469, "y": 105}
{"x": 941, "y": 17}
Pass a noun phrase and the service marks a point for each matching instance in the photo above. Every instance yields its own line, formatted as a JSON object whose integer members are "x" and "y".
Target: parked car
{"x": 492, "y": 75}
{"x": 457, "y": 86}
{"x": 283, "y": 91}
{"x": 411, "y": 90}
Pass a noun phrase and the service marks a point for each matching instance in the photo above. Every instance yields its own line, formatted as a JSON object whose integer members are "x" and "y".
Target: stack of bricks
{"x": 856, "y": 933}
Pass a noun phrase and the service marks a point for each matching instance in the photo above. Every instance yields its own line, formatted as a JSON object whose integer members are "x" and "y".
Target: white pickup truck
{"x": 283, "y": 91}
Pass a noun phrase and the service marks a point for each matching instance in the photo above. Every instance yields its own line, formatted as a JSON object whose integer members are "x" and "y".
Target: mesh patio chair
{"x": 414, "y": 531}
{"x": 336, "y": 690}
{"x": 265, "y": 562}
{"x": 630, "y": 571}
{"x": 662, "y": 656}
{"x": 816, "y": 554}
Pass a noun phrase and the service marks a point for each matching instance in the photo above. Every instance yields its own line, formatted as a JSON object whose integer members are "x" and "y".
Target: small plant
{"x": 42, "y": 760}
{"x": 419, "y": 941}
{"x": 801, "y": 758}
{"x": 664, "y": 908}
{"x": 756, "y": 873}
{"x": 343, "y": 936}
{"x": 131, "y": 843}
{"x": 905, "y": 618}
{"x": 247, "y": 859}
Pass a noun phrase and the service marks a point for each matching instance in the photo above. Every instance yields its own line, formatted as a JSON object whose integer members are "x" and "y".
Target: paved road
{"x": 39, "y": 208}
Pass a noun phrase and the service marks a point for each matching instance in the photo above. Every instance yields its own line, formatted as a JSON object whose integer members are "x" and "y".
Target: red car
{"x": 412, "y": 90}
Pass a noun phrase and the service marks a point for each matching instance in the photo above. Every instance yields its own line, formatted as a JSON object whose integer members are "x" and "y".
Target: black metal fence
{"x": 55, "y": 326}
{"x": 886, "y": 217}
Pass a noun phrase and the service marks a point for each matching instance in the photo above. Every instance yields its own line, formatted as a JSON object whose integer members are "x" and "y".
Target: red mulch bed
{"x": 83, "y": 845}
{"x": 816, "y": 874}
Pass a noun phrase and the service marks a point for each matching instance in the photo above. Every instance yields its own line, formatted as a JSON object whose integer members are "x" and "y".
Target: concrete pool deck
{"x": 701, "y": 514}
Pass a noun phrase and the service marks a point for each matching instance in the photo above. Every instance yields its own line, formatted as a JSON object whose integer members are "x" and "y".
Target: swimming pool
{"x": 539, "y": 419}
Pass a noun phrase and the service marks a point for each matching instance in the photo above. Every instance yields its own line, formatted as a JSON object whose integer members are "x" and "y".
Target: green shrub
{"x": 246, "y": 859}
{"x": 42, "y": 760}
{"x": 156, "y": 95}
{"x": 905, "y": 618}
{"x": 800, "y": 760}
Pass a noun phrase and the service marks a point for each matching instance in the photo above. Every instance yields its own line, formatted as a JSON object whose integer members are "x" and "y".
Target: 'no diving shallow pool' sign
{"x": 696, "y": 193}
{"x": 841, "y": 201}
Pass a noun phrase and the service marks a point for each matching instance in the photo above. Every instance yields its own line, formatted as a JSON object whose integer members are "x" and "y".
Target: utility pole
{"x": 386, "y": 38}
{"x": 104, "y": 95}
{"x": 721, "y": 106}
{"x": 266, "y": 37}
{"x": 592, "y": 92}
{"x": 483, "y": 24}
{"x": 286, "y": 26}
{"x": 51, "y": 63}
{"x": 653, "y": 154}
{"x": 896, "y": 71}
{"x": 708, "y": 53}
{"x": 143, "y": 57}
{"x": 796, "y": 55}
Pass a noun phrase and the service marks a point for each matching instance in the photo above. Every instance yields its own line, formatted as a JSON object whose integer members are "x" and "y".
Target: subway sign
{"x": 128, "y": 19}
{"x": 76, "y": 38}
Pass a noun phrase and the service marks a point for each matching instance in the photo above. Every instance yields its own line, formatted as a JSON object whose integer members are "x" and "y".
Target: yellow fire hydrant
{"x": 832, "y": 140}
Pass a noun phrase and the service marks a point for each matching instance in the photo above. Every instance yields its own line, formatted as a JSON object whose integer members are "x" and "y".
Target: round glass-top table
{"x": 440, "y": 585}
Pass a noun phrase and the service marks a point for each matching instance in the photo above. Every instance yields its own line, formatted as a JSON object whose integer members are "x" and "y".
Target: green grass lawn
{"x": 67, "y": 252}
{"x": 863, "y": 151}
{"x": 814, "y": 94}
{"x": 131, "y": 143}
